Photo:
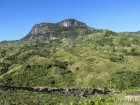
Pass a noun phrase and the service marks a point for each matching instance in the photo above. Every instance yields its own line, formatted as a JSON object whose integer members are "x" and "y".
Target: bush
{"x": 105, "y": 41}
{"x": 125, "y": 42}
{"x": 116, "y": 58}
{"x": 134, "y": 52}
{"x": 125, "y": 79}
{"x": 62, "y": 65}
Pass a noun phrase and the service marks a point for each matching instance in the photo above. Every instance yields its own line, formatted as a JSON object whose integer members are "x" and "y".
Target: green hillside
{"x": 103, "y": 59}
{"x": 69, "y": 54}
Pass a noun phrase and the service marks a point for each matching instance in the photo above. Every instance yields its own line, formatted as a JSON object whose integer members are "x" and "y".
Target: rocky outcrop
{"x": 69, "y": 91}
{"x": 72, "y": 23}
{"x": 55, "y": 31}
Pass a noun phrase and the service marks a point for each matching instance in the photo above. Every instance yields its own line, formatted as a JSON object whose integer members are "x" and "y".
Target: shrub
{"x": 62, "y": 65}
{"x": 125, "y": 79}
{"x": 135, "y": 52}
{"x": 125, "y": 42}
{"x": 116, "y": 58}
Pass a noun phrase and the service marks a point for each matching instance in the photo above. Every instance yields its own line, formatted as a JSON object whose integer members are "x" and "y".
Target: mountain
{"x": 71, "y": 54}
{"x": 52, "y": 31}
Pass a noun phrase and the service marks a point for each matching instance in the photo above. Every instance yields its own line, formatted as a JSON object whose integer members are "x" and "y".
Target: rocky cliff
{"x": 53, "y": 31}
{"x": 72, "y": 23}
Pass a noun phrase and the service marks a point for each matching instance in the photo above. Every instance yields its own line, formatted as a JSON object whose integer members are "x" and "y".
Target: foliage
{"x": 126, "y": 79}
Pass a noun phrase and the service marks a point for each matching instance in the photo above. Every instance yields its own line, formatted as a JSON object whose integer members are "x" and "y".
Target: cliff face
{"x": 54, "y": 31}
{"x": 72, "y": 23}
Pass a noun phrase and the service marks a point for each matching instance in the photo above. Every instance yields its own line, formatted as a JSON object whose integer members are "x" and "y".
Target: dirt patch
{"x": 134, "y": 96}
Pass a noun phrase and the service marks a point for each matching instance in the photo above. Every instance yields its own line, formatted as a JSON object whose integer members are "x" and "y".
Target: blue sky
{"x": 18, "y": 16}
